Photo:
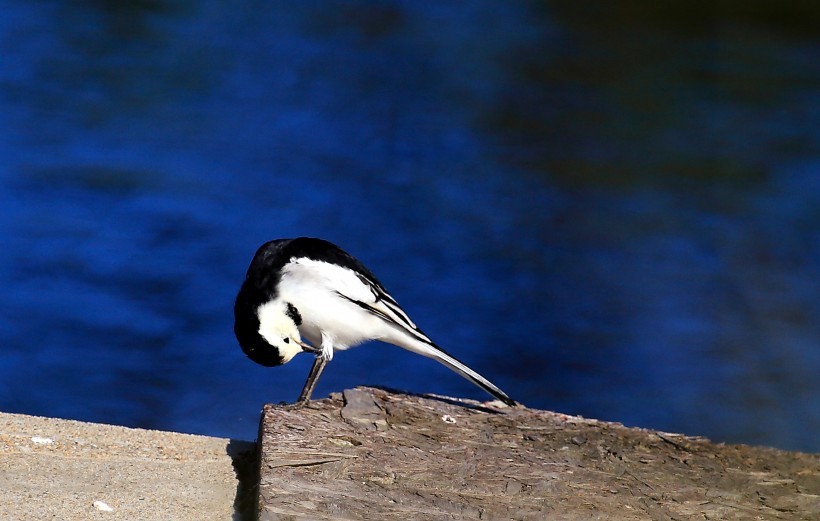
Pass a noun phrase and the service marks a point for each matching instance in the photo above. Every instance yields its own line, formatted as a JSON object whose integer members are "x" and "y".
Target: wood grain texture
{"x": 375, "y": 454}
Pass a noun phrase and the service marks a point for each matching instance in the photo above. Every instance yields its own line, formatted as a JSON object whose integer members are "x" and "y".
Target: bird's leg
{"x": 315, "y": 371}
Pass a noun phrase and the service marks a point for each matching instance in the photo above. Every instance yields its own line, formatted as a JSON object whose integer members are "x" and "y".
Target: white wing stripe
{"x": 386, "y": 313}
{"x": 381, "y": 296}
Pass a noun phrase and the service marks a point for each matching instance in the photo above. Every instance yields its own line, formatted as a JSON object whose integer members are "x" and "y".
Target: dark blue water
{"x": 612, "y": 212}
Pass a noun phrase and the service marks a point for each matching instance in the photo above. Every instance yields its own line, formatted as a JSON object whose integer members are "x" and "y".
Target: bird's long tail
{"x": 431, "y": 350}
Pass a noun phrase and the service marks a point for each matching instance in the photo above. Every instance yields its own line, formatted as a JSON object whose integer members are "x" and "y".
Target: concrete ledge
{"x": 69, "y": 470}
{"x": 374, "y": 454}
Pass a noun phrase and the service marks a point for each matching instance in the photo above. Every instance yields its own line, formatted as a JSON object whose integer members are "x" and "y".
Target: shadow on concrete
{"x": 245, "y": 458}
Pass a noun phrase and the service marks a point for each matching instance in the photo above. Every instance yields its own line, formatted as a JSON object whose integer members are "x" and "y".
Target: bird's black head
{"x": 265, "y": 326}
{"x": 246, "y": 329}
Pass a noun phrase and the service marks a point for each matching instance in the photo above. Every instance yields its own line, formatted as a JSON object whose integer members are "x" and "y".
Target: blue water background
{"x": 609, "y": 209}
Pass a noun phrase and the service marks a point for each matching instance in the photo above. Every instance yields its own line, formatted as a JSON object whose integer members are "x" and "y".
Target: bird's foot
{"x": 298, "y": 404}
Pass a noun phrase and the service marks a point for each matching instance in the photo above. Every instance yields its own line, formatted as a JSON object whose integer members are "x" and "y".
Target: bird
{"x": 309, "y": 288}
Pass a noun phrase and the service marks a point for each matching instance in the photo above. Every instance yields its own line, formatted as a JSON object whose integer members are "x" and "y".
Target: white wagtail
{"x": 312, "y": 288}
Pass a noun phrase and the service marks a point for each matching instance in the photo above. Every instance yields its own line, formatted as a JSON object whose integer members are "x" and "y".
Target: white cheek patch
{"x": 275, "y": 326}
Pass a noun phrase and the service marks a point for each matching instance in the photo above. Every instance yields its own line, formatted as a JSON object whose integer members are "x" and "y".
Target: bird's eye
{"x": 287, "y": 340}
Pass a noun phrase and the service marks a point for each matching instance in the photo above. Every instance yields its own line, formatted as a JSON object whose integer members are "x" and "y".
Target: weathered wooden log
{"x": 374, "y": 454}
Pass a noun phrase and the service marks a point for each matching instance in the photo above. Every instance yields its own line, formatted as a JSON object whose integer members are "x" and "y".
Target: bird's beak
{"x": 309, "y": 348}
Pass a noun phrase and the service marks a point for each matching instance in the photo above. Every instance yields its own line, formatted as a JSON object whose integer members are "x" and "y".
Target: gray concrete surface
{"x": 69, "y": 470}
